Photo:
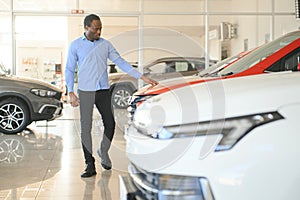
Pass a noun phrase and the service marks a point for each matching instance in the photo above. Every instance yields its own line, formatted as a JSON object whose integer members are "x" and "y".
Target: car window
{"x": 184, "y": 66}
{"x": 200, "y": 66}
{"x": 160, "y": 68}
{"x": 260, "y": 54}
{"x": 292, "y": 61}
{"x": 288, "y": 63}
{"x": 176, "y": 66}
{"x": 218, "y": 66}
{"x": 112, "y": 68}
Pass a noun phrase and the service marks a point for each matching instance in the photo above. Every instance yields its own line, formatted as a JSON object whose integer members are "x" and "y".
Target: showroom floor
{"x": 45, "y": 161}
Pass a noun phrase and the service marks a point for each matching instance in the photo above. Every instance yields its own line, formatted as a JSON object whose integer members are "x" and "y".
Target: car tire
{"x": 14, "y": 116}
{"x": 120, "y": 96}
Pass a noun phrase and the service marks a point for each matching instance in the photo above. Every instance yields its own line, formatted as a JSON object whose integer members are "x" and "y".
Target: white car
{"x": 222, "y": 140}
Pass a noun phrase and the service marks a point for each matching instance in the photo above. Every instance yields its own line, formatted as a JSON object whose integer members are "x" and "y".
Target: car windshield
{"x": 259, "y": 54}
{"x": 218, "y": 66}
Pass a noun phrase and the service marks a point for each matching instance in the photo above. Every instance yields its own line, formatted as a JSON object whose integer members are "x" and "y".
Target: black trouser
{"x": 102, "y": 100}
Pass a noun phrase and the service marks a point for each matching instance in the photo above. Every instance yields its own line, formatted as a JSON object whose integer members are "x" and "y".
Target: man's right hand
{"x": 149, "y": 80}
{"x": 74, "y": 101}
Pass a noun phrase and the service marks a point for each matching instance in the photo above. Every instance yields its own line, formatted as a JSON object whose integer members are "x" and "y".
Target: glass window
{"x": 38, "y": 28}
{"x": 6, "y": 41}
{"x": 240, "y": 6}
{"x": 173, "y": 6}
{"x": 183, "y": 66}
{"x": 4, "y": 5}
{"x": 285, "y": 24}
{"x": 123, "y": 33}
{"x": 109, "y": 6}
{"x": 163, "y": 36}
{"x": 284, "y": 6}
{"x": 230, "y": 35}
{"x": 45, "y": 5}
{"x": 40, "y": 47}
{"x": 158, "y": 68}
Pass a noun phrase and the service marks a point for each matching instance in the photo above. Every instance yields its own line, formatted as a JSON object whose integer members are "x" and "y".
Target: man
{"x": 90, "y": 53}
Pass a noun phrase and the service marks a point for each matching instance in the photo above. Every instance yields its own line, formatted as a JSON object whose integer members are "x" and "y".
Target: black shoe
{"x": 89, "y": 171}
{"x": 105, "y": 160}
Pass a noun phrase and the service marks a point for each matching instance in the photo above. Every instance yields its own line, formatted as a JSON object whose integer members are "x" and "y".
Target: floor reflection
{"x": 46, "y": 160}
{"x": 26, "y": 156}
{"x": 103, "y": 185}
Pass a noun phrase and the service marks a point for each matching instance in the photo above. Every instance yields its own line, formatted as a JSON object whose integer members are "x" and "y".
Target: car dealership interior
{"x": 43, "y": 157}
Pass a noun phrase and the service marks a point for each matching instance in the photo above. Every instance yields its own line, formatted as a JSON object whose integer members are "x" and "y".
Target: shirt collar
{"x": 83, "y": 37}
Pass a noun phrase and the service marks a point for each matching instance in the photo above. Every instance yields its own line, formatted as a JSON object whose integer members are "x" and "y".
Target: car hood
{"x": 223, "y": 99}
{"x": 171, "y": 84}
{"x": 117, "y": 76}
{"x": 30, "y": 82}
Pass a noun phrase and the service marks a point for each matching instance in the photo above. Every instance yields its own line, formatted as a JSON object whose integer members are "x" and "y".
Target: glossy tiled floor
{"x": 45, "y": 161}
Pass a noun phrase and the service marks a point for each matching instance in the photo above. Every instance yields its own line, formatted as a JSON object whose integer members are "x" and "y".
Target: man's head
{"x": 93, "y": 26}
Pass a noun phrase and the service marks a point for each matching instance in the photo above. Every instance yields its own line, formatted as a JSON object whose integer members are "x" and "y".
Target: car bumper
{"x": 146, "y": 185}
{"x": 54, "y": 110}
{"x": 127, "y": 188}
{"x": 48, "y": 111}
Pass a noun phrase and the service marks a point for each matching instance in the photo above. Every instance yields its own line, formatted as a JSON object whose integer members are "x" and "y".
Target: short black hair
{"x": 88, "y": 19}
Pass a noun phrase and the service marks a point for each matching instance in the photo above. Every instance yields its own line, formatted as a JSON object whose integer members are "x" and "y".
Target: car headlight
{"x": 231, "y": 129}
{"x": 165, "y": 186}
{"x": 43, "y": 93}
{"x": 134, "y": 102}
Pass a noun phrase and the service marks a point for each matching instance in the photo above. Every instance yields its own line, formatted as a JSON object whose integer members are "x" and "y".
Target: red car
{"x": 282, "y": 54}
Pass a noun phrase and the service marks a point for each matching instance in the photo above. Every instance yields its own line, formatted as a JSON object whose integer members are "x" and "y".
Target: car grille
{"x": 53, "y": 110}
{"x": 168, "y": 187}
{"x": 58, "y": 95}
{"x": 49, "y": 110}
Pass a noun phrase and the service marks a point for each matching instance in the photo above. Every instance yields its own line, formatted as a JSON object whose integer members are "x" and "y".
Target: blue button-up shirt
{"x": 91, "y": 59}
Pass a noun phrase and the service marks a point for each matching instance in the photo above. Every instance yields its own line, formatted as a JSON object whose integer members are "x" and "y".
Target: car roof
{"x": 172, "y": 59}
{"x": 163, "y": 59}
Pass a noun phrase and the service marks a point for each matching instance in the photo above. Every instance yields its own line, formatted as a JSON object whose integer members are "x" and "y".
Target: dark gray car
{"x": 24, "y": 100}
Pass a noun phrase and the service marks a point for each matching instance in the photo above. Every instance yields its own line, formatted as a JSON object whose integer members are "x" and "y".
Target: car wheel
{"x": 121, "y": 96}
{"x": 14, "y": 116}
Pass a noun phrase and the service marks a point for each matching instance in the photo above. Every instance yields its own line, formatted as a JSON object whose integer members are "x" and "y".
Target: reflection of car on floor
{"x": 123, "y": 85}
{"x": 24, "y": 100}
{"x": 282, "y": 54}
{"x": 26, "y": 156}
{"x": 225, "y": 139}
